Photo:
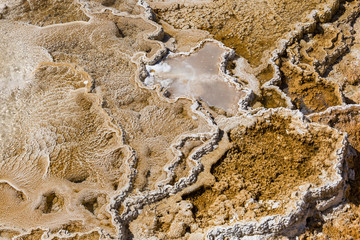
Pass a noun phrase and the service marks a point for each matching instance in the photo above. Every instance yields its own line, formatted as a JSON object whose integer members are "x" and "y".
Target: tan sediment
{"x": 120, "y": 6}
{"x": 310, "y": 63}
{"x": 87, "y": 236}
{"x": 346, "y": 72}
{"x": 43, "y": 12}
{"x": 34, "y": 234}
{"x": 61, "y": 235}
{"x": 332, "y": 95}
{"x": 266, "y": 74}
{"x": 197, "y": 15}
{"x": 137, "y": 111}
{"x": 8, "y": 234}
{"x": 251, "y": 28}
{"x": 253, "y": 37}
{"x": 19, "y": 56}
{"x": 97, "y": 112}
{"x": 182, "y": 40}
{"x": 76, "y": 147}
{"x": 227, "y": 193}
{"x": 102, "y": 156}
{"x": 269, "y": 98}
{"x": 64, "y": 152}
{"x": 308, "y": 92}
{"x": 172, "y": 213}
{"x": 343, "y": 223}
{"x": 264, "y": 163}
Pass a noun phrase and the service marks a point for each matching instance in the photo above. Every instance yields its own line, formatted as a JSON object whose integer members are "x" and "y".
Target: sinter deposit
{"x": 163, "y": 119}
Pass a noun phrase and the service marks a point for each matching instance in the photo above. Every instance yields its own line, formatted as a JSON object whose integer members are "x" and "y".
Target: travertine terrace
{"x": 162, "y": 119}
{"x": 257, "y": 182}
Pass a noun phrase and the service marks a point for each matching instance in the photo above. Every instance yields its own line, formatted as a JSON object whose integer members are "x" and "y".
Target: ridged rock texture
{"x": 164, "y": 119}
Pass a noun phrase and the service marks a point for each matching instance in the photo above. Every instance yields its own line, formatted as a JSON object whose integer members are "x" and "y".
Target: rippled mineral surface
{"x": 189, "y": 120}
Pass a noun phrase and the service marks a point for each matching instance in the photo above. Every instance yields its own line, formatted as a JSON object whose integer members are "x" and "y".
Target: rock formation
{"x": 207, "y": 119}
